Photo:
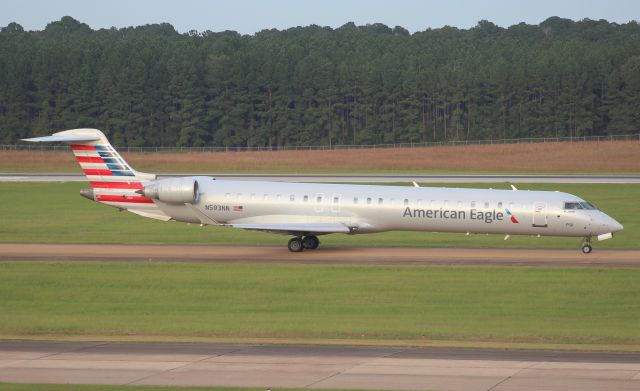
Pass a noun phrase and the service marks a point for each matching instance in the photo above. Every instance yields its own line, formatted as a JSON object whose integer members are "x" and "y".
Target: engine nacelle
{"x": 173, "y": 191}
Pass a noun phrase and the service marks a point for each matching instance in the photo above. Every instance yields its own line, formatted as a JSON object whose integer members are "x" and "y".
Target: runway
{"x": 278, "y": 366}
{"x": 338, "y": 178}
{"x": 323, "y": 255}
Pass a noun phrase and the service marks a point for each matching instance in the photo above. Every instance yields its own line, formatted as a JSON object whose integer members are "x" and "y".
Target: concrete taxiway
{"x": 278, "y": 366}
{"x": 338, "y": 178}
{"x": 323, "y": 255}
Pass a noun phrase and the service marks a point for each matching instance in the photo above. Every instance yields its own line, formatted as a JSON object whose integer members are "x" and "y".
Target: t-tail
{"x": 112, "y": 180}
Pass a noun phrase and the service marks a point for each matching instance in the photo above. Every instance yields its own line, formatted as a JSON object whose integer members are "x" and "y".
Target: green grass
{"x": 319, "y": 302}
{"x": 55, "y": 213}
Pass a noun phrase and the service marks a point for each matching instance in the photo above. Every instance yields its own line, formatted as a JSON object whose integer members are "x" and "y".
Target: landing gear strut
{"x": 586, "y": 245}
{"x": 309, "y": 242}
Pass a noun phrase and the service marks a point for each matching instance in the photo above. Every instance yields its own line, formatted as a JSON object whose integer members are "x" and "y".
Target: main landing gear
{"x": 586, "y": 245}
{"x": 309, "y": 242}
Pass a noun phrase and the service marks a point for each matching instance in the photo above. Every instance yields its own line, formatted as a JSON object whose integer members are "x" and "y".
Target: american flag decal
{"x": 237, "y": 208}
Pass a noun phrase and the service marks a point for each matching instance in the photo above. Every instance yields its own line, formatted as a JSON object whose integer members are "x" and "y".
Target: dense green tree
{"x": 150, "y": 85}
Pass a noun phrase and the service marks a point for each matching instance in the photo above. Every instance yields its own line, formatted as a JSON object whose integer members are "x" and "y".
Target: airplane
{"x": 308, "y": 210}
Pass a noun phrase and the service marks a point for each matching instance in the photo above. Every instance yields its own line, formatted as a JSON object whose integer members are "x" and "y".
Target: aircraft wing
{"x": 297, "y": 228}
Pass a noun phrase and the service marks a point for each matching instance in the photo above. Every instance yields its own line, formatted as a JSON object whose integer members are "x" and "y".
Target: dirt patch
{"x": 565, "y": 157}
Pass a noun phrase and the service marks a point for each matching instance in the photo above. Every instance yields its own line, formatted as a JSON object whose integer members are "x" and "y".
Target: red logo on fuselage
{"x": 512, "y": 217}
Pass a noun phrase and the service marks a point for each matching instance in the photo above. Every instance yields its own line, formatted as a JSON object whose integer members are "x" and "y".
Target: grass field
{"x": 387, "y": 303}
{"x": 617, "y": 157}
{"x": 55, "y": 213}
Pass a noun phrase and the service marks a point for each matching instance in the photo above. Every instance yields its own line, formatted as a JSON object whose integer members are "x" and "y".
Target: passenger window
{"x": 459, "y": 204}
{"x": 319, "y": 199}
{"x": 499, "y": 205}
{"x": 278, "y": 197}
{"x": 419, "y": 203}
{"x": 239, "y": 196}
{"x": 355, "y": 200}
{"x": 335, "y": 200}
{"x": 380, "y": 201}
{"x": 446, "y": 203}
{"x": 292, "y": 198}
{"x": 266, "y": 197}
{"x": 227, "y": 196}
{"x": 368, "y": 200}
{"x": 306, "y": 198}
{"x": 253, "y": 196}
{"x": 486, "y": 205}
{"x": 473, "y": 204}
{"x": 406, "y": 201}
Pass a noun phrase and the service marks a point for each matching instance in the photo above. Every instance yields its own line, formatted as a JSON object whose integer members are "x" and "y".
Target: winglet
{"x": 415, "y": 184}
{"x": 513, "y": 188}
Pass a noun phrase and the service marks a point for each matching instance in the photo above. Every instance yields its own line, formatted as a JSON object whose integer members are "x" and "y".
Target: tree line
{"x": 152, "y": 86}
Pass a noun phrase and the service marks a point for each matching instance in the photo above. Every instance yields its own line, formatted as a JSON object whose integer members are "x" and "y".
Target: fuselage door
{"x": 540, "y": 215}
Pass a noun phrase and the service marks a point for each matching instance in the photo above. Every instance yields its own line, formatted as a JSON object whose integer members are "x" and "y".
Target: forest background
{"x": 152, "y": 86}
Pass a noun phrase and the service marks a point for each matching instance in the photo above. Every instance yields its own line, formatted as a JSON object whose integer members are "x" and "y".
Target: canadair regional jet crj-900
{"x": 307, "y": 210}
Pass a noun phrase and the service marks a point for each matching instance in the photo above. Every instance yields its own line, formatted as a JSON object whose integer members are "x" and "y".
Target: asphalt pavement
{"x": 308, "y": 366}
{"x": 324, "y": 255}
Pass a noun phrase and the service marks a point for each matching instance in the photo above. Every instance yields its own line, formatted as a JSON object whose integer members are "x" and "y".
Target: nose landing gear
{"x": 586, "y": 245}
{"x": 309, "y": 242}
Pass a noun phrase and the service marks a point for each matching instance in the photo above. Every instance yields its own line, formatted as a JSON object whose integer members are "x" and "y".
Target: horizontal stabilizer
{"x": 70, "y": 138}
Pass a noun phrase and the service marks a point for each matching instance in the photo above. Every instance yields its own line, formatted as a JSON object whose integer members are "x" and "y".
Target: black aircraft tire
{"x": 586, "y": 248}
{"x": 295, "y": 245}
{"x": 310, "y": 242}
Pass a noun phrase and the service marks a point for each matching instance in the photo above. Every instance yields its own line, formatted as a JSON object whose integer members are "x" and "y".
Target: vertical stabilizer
{"x": 112, "y": 180}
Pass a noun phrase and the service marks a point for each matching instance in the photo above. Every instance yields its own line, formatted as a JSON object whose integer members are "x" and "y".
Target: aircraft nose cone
{"x": 612, "y": 225}
{"x": 615, "y": 227}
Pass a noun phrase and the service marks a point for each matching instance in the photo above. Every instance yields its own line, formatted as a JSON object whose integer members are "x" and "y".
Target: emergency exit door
{"x": 540, "y": 215}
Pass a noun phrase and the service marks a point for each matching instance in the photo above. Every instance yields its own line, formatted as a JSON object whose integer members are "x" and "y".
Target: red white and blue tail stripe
{"x": 112, "y": 180}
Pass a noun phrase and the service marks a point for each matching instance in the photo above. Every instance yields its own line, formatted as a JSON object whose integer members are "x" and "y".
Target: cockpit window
{"x": 588, "y": 206}
{"x": 579, "y": 205}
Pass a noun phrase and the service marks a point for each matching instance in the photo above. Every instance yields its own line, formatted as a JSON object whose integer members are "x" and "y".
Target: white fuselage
{"x": 305, "y": 210}
{"x": 366, "y": 209}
